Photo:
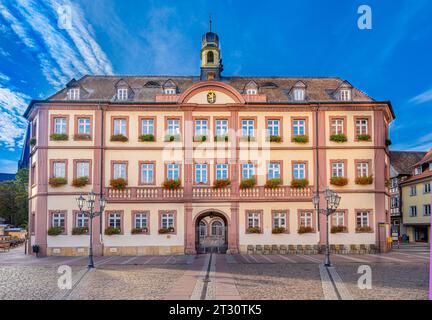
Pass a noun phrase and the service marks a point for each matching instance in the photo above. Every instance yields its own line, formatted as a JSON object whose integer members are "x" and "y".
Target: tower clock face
{"x": 211, "y": 97}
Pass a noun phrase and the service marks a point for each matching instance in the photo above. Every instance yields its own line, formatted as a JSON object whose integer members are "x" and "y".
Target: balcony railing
{"x": 282, "y": 193}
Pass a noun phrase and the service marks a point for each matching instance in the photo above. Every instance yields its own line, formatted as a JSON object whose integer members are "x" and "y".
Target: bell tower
{"x": 211, "y": 62}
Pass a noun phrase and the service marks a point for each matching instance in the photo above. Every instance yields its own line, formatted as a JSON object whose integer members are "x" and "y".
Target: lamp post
{"x": 90, "y": 213}
{"x": 333, "y": 200}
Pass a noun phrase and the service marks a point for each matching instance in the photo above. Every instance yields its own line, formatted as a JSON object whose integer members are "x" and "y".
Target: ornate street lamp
{"x": 333, "y": 200}
{"x": 90, "y": 213}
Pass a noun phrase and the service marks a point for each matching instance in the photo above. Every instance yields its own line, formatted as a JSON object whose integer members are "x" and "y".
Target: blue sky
{"x": 280, "y": 38}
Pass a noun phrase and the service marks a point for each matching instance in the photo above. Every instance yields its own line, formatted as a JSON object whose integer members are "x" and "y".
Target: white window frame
{"x": 299, "y": 127}
{"x": 221, "y": 127}
{"x": 114, "y": 220}
{"x": 279, "y": 220}
{"x": 345, "y": 94}
{"x": 84, "y": 126}
{"x": 221, "y": 171}
{"x": 120, "y": 126}
{"x": 201, "y": 127}
{"x": 122, "y": 94}
{"x": 248, "y": 128}
{"x": 338, "y": 169}
{"x": 217, "y": 228}
{"x": 299, "y": 94}
{"x": 173, "y": 126}
{"x": 248, "y": 171}
{"x": 254, "y": 220}
{"x": 251, "y": 91}
{"x": 363, "y": 169}
{"x": 141, "y": 220}
{"x": 427, "y": 187}
{"x": 413, "y": 191}
{"x": 306, "y": 219}
{"x": 59, "y": 169}
{"x": 413, "y": 211}
{"x": 147, "y": 173}
{"x": 167, "y": 220}
{"x": 74, "y": 94}
{"x": 60, "y": 125}
{"x": 201, "y": 173}
{"x": 362, "y": 219}
{"x": 362, "y": 126}
{"x": 274, "y": 170}
{"x": 147, "y": 126}
{"x": 119, "y": 170}
{"x": 170, "y": 91}
{"x": 427, "y": 209}
{"x": 299, "y": 171}
{"x": 58, "y": 219}
{"x": 173, "y": 171}
{"x": 83, "y": 169}
{"x": 339, "y": 219}
{"x": 338, "y": 126}
{"x": 81, "y": 220}
{"x": 273, "y": 127}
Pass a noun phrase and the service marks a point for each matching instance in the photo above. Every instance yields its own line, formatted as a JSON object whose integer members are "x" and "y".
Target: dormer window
{"x": 299, "y": 94}
{"x": 345, "y": 95}
{"x": 122, "y": 94}
{"x": 170, "y": 91}
{"x": 74, "y": 94}
{"x": 251, "y": 91}
{"x": 417, "y": 170}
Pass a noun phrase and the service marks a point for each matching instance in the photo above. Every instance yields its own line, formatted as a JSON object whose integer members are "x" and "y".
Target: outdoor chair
{"x": 266, "y": 249}
{"x": 308, "y": 249}
{"x": 354, "y": 249}
{"x": 258, "y": 248}
{"x": 274, "y": 249}
{"x": 373, "y": 249}
{"x": 292, "y": 249}
{"x": 5, "y": 246}
{"x": 363, "y": 249}
{"x": 332, "y": 248}
{"x": 283, "y": 249}
{"x": 299, "y": 249}
{"x": 316, "y": 249}
{"x": 250, "y": 249}
{"x": 343, "y": 249}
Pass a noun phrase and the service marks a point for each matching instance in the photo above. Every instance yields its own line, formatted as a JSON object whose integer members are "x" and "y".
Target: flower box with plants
{"x": 247, "y": 183}
{"x": 55, "y": 231}
{"x": 112, "y": 231}
{"x": 119, "y": 138}
{"x": 80, "y": 182}
{"x": 253, "y": 230}
{"x": 273, "y": 183}
{"x": 79, "y": 230}
{"x": 118, "y": 184}
{"x": 32, "y": 142}
{"x": 166, "y": 230}
{"x": 364, "y": 180}
{"x": 277, "y": 139}
{"x": 146, "y": 138}
{"x": 171, "y": 184}
{"x": 339, "y": 181}
{"x": 301, "y": 138}
{"x": 201, "y": 138}
{"x": 299, "y": 183}
{"x": 56, "y": 182}
{"x": 364, "y": 229}
{"x": 139, "y": 230}
{"x": 338, "y": 137}
{"x": 338, "y": 229}
{"x": 388, "y": 142}
{"x": 221, "y": 138}
{"x": 247, "y": 138}
{"x": 278, "y": 230}
{"x": 172, "y": 137}
{"x": 363, "y": 137}
{"x": 82, "y": 137}
{"x": 303, "y": 229}
{"x": 59, "y": 137}
{"x": 221, "y": 183}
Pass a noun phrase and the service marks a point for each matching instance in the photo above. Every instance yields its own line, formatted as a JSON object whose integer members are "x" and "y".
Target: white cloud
{"x": 423, "y": 97}
{"x": 8, "y": 166}
{"x": 4, "y": 77}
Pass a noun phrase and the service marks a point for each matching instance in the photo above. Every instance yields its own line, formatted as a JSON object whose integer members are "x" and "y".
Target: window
{"x": 83, "y": 169}
{"x": 413, "y": 190}
{"x": 74, "y": 94}
{"x": 251, "y": 91}
{"x": 114, "y": 220}
{"x": 427, "y": 188}
{"x": 339, "y": 219}
{"x": 210, "y": 57}
{"x": 202, "y": 229}
{"x": 147, "y": 173}
{"x": 173, "y": 126}
{"x": 248, "y": 128}
{"x": 59, "y": 169}
{"x": 122, "y": 94}
{"x": 299, "y": 94}
{"x": 173, "y": 171}
{"x": 170, "y": 91}
{"x": 200, "y": 173}
{"x": 119, "y": 170}
{"x": 362, "y": 169}
{"x": 274, "y": 170}
{"x": 81, "y": 220}
{"x": 248, "y": 171}
{"x": 84, "y": 126}
{"x": 299, "y": 171}
{"x": 273, "y": 127}
{"x": 120, "y": 126}
{"x": 426, "y": 209}
{"x": 394, "y": 183}
{"x": 253, "y": 220}
{"x": 417, "y": 170}
{"x": 147, "y": 126}
{"x": 306, "y": 219}
{"x": 201, "y": 127}
{"x": 345, "y": 95}
{"x": 60, "y": 125}
{"x": 58, "y": 220}
{"x": 221, "y": 171}
{"x": 221, "y": 127}
{"x": 413, "y": 211}
{"x": 279, "y": 220}
{"x": 362, "y": 126}
{"x": 362, "y": 219}
{"x": 33, "y": 175}
{"x": 299, "y": 127}
{"x": 141, "y": 220}
{"x": 337, "y": 126}
{"x": 167, "y": 220}
{"x": 338, "y": 169}
{"x": 394, "y": 202}
{"x": 217, "y": 228}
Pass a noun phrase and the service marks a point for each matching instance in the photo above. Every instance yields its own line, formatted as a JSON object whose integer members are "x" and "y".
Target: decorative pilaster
{"x": 97, "y": 182}
{"x": 233, "y": 229}
{"x": 189, "y": 230}
{"x": 188, "y": 153}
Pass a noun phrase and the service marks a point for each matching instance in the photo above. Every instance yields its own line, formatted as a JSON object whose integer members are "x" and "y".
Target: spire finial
{"x": 210, "y": 22}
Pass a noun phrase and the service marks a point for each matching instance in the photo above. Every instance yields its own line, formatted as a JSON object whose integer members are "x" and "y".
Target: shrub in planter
{"x": 111, "y": 231}
{"x": 273, "y": 183}
{"x": 80, "y": 182}
{"x": 55, "y": 231}
{"x": 299, "y": 183}
{"x": 339, "y": 181}
{"x": 338, "y": 137}
{"x": 118, "y": 184}
{"x": 166, "y": 230}
{"x": 119, "y": 138}
{"x": 57, "y": 182}
{"x": 337, "y": 229}
{"x": 80, "y": 230}
{"x": 278, "y": 230}
{"x": 59, "y": 137}
{"x": 172, "y": 137}
{"x": 363, "y": 229}
{"x": 221, "y": 138}
{"x": 364, "y": 180}
{"x": 139, "y": 230}
{"x": 302, "y": 230}
{"x": 388, "y": 142}
{"x": 247, "y": 183}
{"x": 277, "y": 139}
{"x": 146, "y": 137}
{"x": 171, "y": 184}
{"x": 200, "y": 138}
{"x": 221, "y": 183}
{"x": 82, "y": 137}
{"x": 302, "y": 138}
{"x": 253, "y": 230}
{"x": 363, "y": 137}
{"x": 32, "y": 142}
{"x": 247, "y": 138}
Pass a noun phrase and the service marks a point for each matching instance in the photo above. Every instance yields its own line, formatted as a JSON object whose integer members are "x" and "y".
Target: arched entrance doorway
{"x": 211, "y": 232}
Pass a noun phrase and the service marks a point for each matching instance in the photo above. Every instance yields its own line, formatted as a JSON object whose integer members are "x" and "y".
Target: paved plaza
{"x": 396, "y": 275}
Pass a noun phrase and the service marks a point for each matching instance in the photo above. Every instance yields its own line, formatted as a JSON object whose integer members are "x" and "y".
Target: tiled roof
{"x": 145, "y": 88}
{"x": 427, "y": 158}
{"x": 423, "y": 175}
{"x": 403, "y": 161}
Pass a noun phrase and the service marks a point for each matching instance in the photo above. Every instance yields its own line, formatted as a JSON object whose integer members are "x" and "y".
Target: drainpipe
{"x": 102, "y": 166}
{"x": 317, "y": 163}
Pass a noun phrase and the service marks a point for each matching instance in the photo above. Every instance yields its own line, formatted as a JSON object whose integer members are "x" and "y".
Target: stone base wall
{"x": 117, "y": 251}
